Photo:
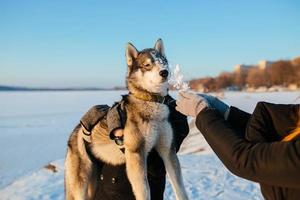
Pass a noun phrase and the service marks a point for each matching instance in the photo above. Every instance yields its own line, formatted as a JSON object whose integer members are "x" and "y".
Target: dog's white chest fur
{"x": 157, "y": 128}
{"x": 148, "y": 126}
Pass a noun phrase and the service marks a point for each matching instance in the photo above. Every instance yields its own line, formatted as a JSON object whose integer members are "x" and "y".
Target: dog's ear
{"x": 131, "y": 53}
{"x": 159, "y": 46}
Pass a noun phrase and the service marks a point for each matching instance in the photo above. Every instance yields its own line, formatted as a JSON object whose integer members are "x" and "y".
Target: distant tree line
{"x": 280, "y": 73}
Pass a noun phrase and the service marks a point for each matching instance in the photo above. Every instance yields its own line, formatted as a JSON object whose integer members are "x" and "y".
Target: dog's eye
{"x": 147, "y": 65}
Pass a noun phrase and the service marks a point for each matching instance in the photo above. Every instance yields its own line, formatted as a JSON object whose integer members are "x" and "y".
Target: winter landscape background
{"x": 35, "y": 126}
{"x": 53, "y": 51}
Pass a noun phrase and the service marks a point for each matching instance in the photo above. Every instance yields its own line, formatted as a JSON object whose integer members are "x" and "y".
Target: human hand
{"x": 190, "y": 104}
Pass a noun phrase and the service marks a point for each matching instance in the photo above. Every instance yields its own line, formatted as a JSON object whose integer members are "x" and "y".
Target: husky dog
{"x": 146, "y": 127}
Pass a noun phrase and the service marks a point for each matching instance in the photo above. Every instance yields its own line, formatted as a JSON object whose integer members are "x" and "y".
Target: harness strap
{"x": 86, "y": 135}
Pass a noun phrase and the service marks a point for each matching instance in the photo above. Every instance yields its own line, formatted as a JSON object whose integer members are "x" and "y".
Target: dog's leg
{"x": 173, "y": 170}
{"x": 136, "y": 168}
{"x": 136, "y": 163}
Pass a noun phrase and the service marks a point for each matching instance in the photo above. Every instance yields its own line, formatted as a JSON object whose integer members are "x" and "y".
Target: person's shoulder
{"x": 274, "y": 106}
{"x": 279, "y": 119}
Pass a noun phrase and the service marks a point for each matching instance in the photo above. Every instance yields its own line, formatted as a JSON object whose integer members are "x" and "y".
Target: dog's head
{"x": 148, "y": 69}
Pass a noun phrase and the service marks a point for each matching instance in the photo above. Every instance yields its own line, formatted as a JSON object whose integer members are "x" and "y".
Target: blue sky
{"x": 58, "y": 43}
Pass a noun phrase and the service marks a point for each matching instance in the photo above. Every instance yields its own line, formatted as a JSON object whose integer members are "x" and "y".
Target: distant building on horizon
{"x": 263, "y": 64}
{"x": 242, "y": 68}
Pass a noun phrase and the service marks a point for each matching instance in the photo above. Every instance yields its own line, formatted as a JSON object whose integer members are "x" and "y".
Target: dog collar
{"x": 150, "y": 97}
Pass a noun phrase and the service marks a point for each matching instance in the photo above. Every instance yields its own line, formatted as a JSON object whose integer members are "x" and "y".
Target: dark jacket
{"x": 250, "y": 147}
{"x": 113, "y": 182}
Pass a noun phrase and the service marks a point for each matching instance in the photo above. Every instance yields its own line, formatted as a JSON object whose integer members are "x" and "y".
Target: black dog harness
{"x": 98, "y": 112}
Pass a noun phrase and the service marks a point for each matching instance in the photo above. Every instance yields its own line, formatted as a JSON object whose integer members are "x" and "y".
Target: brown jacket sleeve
{"x": 237, "y": 115}
{"x": 276, "y": 163}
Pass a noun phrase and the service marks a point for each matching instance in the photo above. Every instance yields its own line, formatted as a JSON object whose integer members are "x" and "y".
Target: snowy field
{"x": 35, "y": 126}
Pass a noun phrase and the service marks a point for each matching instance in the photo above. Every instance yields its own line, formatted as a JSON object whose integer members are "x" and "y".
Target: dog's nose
{"x": 164, "y": 73}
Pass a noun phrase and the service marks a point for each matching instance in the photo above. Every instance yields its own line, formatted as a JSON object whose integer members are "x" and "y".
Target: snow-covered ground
{"x": 34, "y": 128}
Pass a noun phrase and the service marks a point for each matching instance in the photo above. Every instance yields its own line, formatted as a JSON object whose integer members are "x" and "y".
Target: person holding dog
{"x": 263, "y": 147}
